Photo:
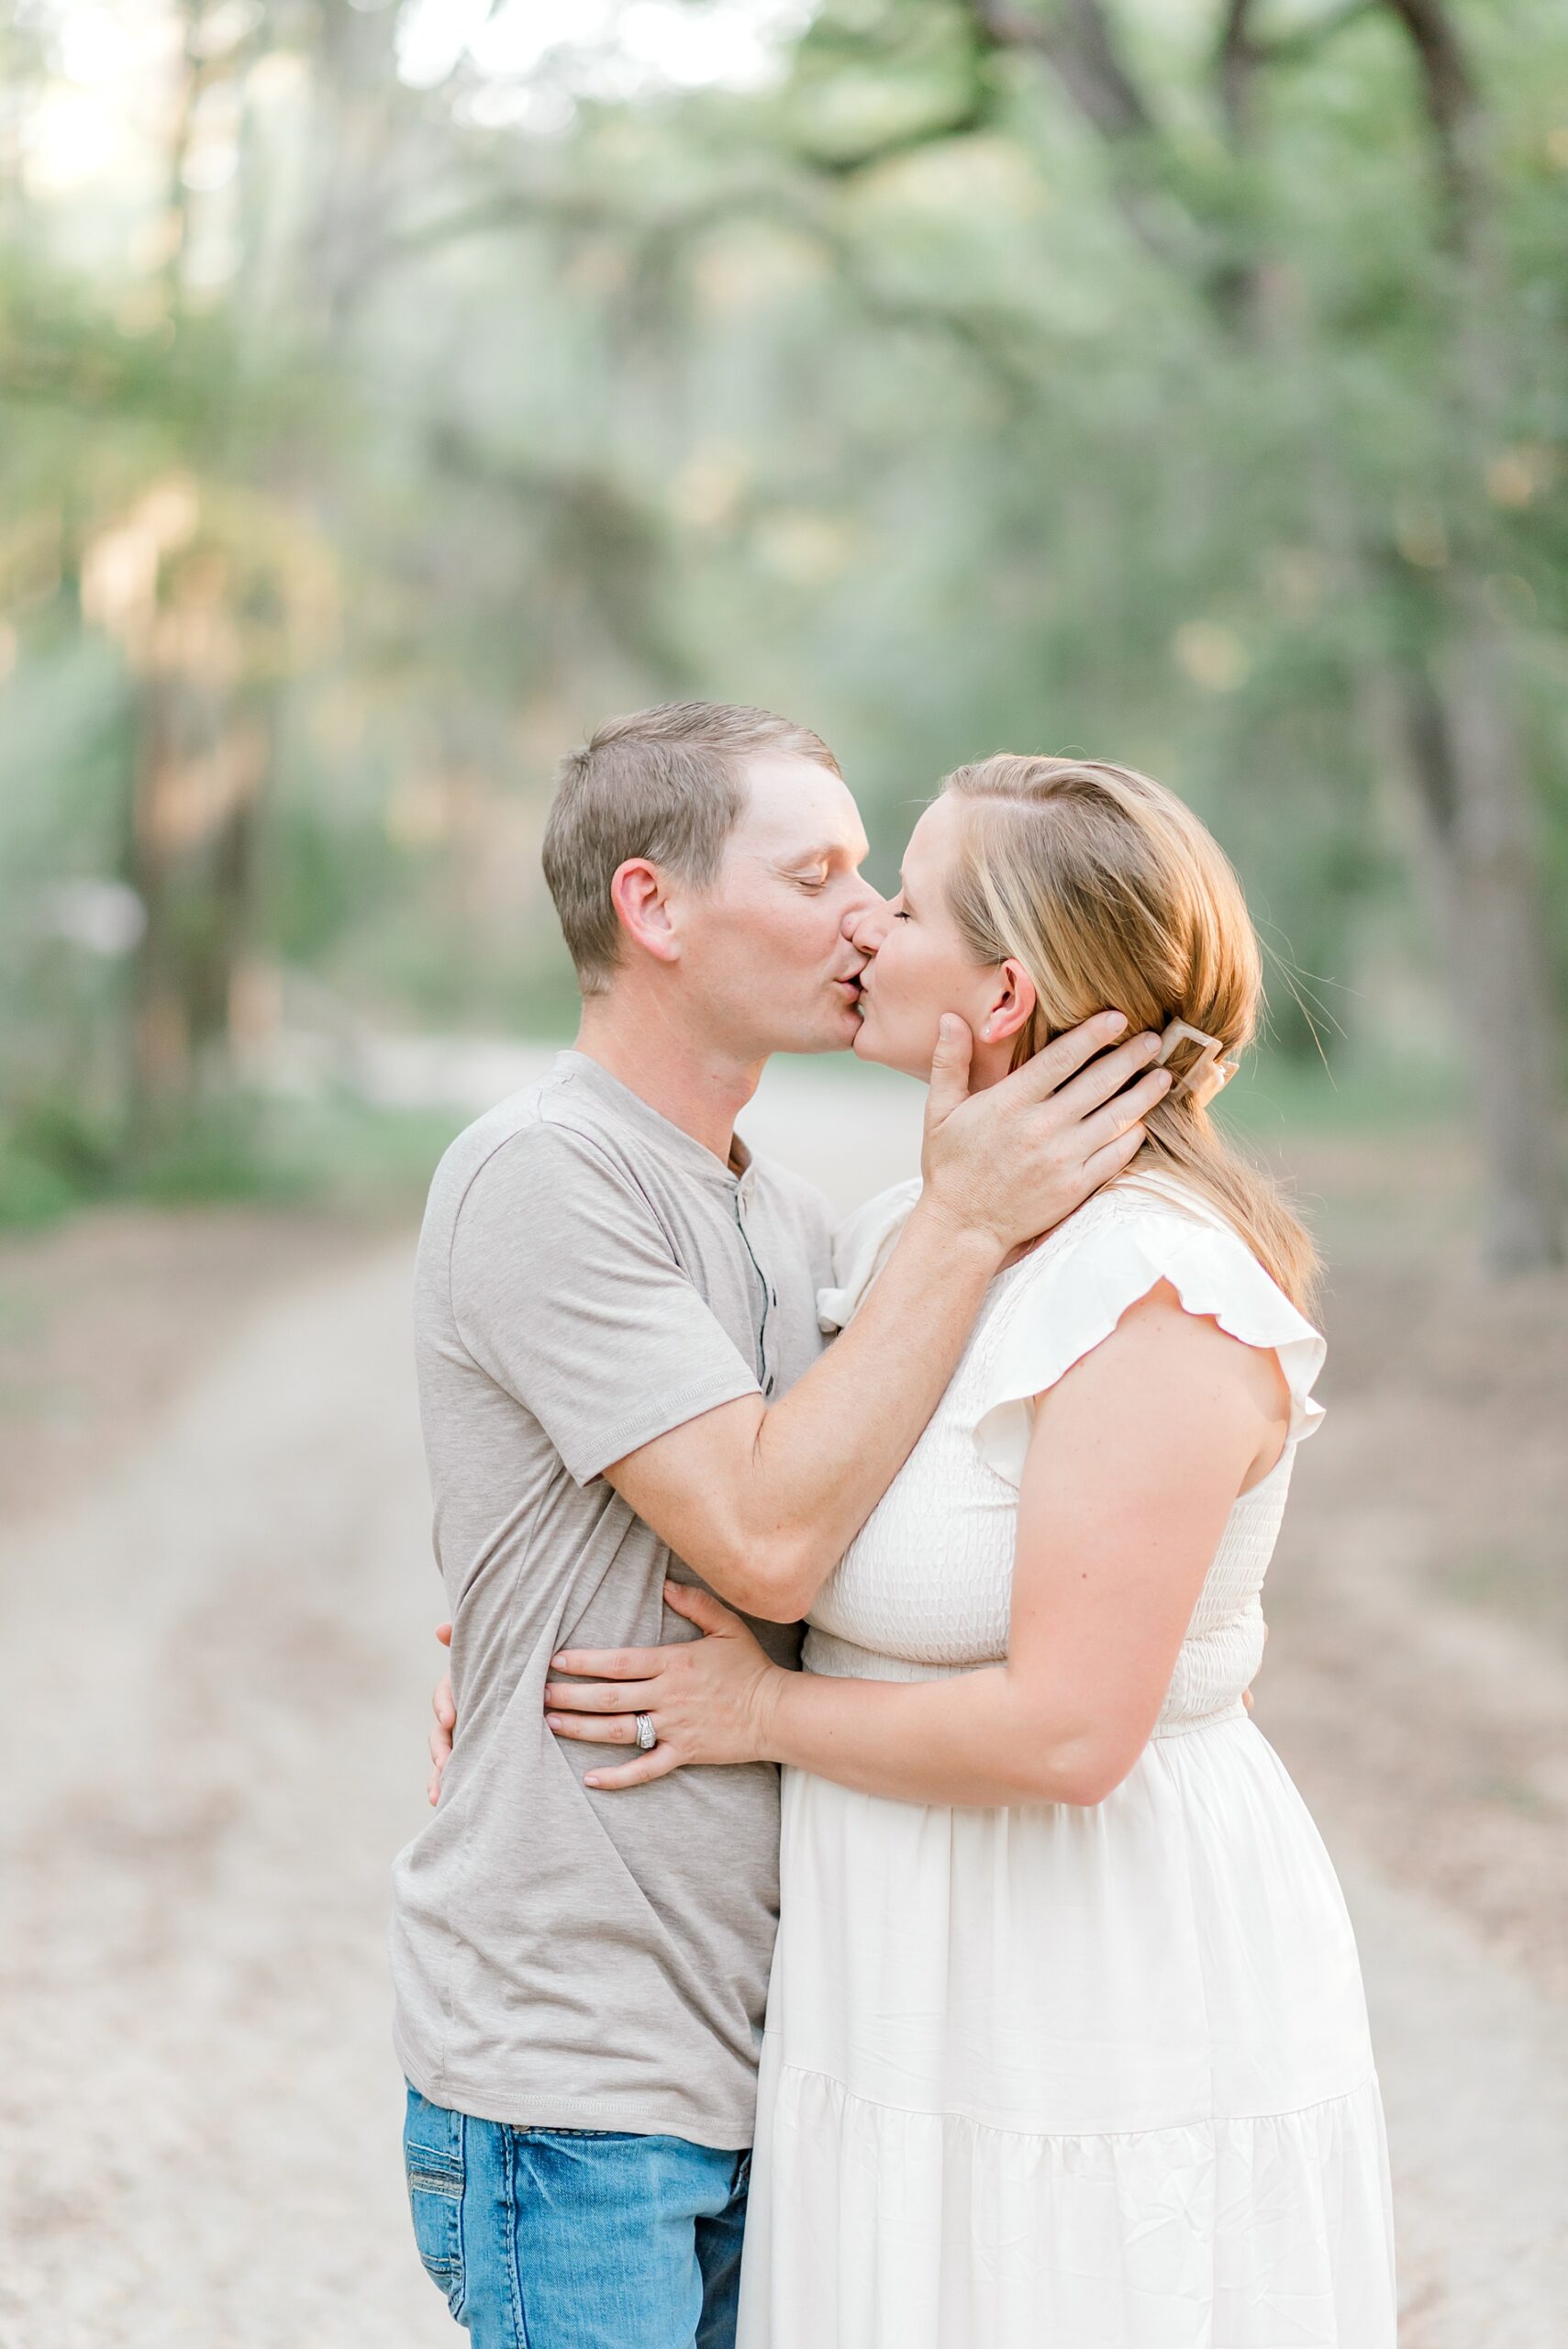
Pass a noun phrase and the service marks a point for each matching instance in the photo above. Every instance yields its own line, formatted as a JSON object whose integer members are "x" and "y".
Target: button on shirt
{"x": 589, "y": 1277}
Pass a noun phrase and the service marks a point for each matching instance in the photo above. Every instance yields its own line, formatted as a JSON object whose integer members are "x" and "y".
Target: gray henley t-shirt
{"x": 589, "y": 1277}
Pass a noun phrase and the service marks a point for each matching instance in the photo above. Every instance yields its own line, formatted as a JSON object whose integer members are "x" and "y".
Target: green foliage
{"x": 334, "y": 1151}
{"x": 908, "y": 394}
{"x": 32, "y": 1190}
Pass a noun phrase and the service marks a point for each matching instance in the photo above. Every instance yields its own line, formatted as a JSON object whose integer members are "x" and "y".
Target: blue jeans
{"x": 576, "y": 2238}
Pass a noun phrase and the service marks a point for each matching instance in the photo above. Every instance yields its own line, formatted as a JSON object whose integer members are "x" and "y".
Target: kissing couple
{"x": 1035, "y": 2020}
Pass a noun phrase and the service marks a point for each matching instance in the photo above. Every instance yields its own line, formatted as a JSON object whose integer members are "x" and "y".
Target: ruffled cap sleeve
{"x": 861, "y": 1245}
{"x": 1098, "y": 1265}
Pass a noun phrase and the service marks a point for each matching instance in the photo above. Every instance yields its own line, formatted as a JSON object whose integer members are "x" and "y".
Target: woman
{"x": 1067, "y": 2041}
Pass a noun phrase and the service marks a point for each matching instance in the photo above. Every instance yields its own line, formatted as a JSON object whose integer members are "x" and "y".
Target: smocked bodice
{"x": 926, "y": 1587}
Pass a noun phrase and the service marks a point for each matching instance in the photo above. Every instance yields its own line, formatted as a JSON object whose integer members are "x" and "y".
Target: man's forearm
{"x": 764, "y": 1502}
{"x": 827, "y": 1450}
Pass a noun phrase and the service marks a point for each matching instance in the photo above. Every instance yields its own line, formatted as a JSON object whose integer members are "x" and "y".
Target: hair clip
{"x": 1209, "y": 1073}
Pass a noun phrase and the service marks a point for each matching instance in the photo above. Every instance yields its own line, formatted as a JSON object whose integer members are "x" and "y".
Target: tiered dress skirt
{"x": 1054, "y": 2077}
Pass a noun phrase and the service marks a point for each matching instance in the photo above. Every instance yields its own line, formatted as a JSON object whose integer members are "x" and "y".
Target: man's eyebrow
{"x": 822, "y": 854}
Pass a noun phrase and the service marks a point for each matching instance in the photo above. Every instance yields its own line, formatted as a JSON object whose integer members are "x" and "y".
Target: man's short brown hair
{"x": 664, "y": 783}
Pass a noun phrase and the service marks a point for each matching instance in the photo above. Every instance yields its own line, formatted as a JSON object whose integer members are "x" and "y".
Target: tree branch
{"x": 976, "y": 113}
{"x": 1282, "y": 48}
{"x": 1452, "y": 94}
{"x": 1238, "y": 61}
{"x": 983, "y": 332}
{"x": 1081, "y": 48}
{"x": 1453, "y": 100}
{"x": 1235, "y": 282}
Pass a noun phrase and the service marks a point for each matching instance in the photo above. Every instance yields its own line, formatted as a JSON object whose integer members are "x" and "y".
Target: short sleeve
{"x": 861, "y": 1245}
{"x": 1088, "y": 1276}
{"x": 566, "y": 1290}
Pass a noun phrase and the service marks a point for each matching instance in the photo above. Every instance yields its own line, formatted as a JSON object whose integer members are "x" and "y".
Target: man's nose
{"x": 866, "y": 922}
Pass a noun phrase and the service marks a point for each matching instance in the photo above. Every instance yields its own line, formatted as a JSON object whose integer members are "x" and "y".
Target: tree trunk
{"x": 202, "y": 767}
{"x": 1444, "y": 727}
{"x": 161, "y": 1040}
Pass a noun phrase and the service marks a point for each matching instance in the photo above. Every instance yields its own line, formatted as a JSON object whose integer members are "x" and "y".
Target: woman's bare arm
{"x": 1137, "y": 1454}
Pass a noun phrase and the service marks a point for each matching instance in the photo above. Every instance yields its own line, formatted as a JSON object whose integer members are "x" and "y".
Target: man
{"x": 618, "y": 1353}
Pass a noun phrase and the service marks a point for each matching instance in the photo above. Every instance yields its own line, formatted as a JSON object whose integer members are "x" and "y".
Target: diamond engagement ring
{"x": 647, "y": 1735}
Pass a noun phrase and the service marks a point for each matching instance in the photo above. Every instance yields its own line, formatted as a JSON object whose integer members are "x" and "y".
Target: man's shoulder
{"x": 535, "y": 1142}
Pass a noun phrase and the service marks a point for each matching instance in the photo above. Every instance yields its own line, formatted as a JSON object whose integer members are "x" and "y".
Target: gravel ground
{"x": 220, "y": 1661}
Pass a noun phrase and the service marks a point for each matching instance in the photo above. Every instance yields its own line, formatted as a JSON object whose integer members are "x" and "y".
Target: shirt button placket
{"x": 769, "y": 1293}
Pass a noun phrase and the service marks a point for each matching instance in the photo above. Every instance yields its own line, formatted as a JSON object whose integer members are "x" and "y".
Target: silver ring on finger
{"x": 647, "y": 1735}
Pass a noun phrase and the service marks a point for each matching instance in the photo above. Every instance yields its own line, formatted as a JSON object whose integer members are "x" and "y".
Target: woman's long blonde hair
{"x": 1111, "y": 893}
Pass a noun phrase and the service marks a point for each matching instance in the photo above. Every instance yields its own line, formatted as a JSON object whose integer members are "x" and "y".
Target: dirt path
{"x": 216, "y": 1754}
{"x": 214, "y": 1748}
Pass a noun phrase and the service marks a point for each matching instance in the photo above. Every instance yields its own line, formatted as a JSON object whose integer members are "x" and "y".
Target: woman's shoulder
{"x": 1159, "y": 1216}
{"x": 1071, "y": 1293}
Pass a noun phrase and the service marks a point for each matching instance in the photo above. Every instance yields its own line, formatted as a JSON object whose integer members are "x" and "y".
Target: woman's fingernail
{"x": 552, "y": 1720}
{"x": 1117, "y": 1020}
{"x": 592, "y": 1779}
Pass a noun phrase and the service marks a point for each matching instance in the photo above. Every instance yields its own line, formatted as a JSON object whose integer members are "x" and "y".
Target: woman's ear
{"x": 640, "y": 894}
{"x": 1011, "y": 1007}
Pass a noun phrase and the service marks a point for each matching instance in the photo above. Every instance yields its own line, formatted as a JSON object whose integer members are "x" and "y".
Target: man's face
{"x": 766, "y": 948}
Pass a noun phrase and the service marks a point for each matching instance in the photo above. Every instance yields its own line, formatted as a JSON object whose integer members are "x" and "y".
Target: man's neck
{"x": 703, "y": 1092}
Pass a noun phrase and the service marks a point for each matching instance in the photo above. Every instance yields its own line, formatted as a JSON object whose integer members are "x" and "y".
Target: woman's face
{"x": 920, "y": 967}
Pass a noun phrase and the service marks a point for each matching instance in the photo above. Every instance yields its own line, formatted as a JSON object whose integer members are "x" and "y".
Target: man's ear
{"x": 1012, "y": 1006}
{"x": 642, "y": 897}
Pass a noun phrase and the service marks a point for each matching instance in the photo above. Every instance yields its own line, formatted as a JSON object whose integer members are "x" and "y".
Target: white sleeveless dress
{"x": 1054, "y": 2077}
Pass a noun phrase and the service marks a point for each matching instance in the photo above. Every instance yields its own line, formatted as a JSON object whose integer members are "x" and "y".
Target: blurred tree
{"x": 1181, "y": 382}
{"x": 1440, "y": 672}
